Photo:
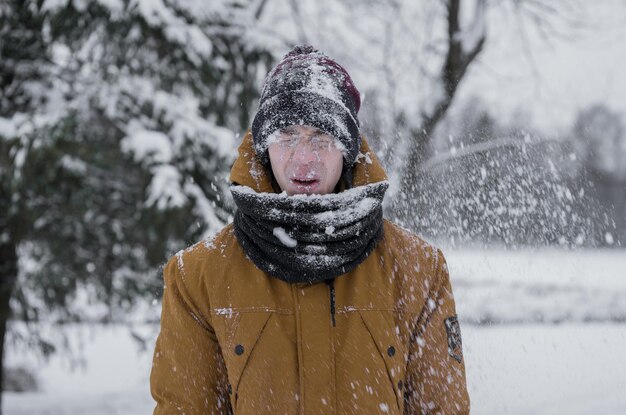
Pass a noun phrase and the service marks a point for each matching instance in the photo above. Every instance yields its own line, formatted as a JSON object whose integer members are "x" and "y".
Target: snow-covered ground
{"x": 525, "y": 365}
{"x": 541, "y": 286}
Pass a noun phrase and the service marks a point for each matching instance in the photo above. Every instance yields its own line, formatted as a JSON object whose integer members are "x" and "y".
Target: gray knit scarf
{"x": 309, "y": 238}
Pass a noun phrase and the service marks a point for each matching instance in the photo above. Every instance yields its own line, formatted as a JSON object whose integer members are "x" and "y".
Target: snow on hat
{"x": 308, "y": 88}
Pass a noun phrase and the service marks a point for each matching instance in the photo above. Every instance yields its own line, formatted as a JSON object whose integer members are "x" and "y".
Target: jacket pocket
{"x": 385, "y": 334}
{"x": 245, "y": 332}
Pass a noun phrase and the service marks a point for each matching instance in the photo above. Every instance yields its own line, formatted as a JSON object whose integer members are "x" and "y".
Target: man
{"x": 309, "y": 302}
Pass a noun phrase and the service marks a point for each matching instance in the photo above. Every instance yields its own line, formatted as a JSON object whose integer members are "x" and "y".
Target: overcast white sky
{"x": 553, "y": 80}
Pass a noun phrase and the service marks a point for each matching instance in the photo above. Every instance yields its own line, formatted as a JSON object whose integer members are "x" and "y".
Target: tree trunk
{"x": 456, "y": 62}
{"x": 8, "y": 278}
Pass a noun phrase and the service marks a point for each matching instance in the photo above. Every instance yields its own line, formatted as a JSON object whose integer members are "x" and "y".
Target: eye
{"x": 321, "y": 142}
{"x": 287, "y": 139}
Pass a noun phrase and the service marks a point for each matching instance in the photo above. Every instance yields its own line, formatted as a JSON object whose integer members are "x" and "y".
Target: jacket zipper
{"x": 331, "y": 286}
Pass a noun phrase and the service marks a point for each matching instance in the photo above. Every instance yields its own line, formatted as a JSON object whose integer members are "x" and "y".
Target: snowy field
{"x": 544, "y": 333}
{"x": 547, "y": 286}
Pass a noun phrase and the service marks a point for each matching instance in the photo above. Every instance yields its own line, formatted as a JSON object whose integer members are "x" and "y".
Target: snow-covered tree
{"x": 118, "y": 122}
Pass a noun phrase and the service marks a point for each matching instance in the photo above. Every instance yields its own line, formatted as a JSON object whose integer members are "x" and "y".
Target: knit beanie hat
{"x": 308, "y": 88}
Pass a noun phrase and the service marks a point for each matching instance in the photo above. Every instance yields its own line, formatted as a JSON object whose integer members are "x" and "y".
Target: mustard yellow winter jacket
{"x": 235, "y": 340}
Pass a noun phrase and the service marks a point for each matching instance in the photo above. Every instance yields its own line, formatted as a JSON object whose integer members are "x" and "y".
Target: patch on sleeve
{"x": 455, "y": 344}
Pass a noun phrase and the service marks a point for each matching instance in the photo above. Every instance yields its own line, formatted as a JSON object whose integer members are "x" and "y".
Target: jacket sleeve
{"x": 436, "y": 370}
{"x": 188, "y": 371}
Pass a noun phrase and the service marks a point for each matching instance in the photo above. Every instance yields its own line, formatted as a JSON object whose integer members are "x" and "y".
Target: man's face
{"x": 305, "y": 160}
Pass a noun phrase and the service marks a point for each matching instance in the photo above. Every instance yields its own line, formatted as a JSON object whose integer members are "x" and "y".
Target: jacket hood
{"x": 248, "y": 170}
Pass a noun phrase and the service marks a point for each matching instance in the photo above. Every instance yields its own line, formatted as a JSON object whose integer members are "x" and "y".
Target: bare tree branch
{"x": 259, "y": 9}
{"x": 463, "y": 48}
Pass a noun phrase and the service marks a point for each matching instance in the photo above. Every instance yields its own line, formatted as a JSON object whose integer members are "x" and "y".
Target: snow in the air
{"x": 543, "y": 330}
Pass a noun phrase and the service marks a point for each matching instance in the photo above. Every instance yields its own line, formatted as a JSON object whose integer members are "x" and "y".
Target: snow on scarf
{"x": 309, "y": 238}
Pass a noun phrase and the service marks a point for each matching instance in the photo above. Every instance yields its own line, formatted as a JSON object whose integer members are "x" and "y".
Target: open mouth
{"x": 305, "y": 182}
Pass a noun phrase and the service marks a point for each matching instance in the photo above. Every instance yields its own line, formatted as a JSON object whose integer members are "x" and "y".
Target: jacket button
{"x": 400, "y": 385}
{"x": 239, "y": 350}
{"x": 391, "y": 351}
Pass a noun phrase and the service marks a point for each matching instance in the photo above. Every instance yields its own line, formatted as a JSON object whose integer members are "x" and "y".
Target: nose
{"x": 304, "y": 152}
